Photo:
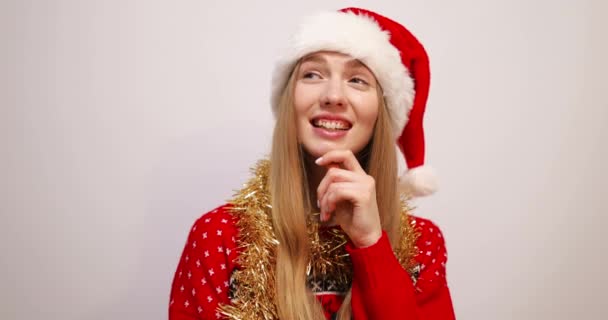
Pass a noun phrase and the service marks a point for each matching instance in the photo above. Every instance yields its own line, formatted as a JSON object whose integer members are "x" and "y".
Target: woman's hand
{"x": 347, "y": 194}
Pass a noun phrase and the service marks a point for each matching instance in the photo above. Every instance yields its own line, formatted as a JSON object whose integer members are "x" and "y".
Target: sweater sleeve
{"x": 202, "y": 278}
{"x": 382, "y": 289}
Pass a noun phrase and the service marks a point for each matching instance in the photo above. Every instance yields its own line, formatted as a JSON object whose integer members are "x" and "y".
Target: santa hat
{"x": 398, "y": 61}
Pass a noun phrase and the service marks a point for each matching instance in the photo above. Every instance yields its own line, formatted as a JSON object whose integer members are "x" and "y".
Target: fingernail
{"x": 318, "y": 204}
{"x": 319, "y": 160}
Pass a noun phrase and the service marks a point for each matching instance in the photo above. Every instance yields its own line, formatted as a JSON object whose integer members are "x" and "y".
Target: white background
{"x": 121, "y": 122}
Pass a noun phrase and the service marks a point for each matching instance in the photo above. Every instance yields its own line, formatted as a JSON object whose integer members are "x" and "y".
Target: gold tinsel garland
{"x": 255, "y": 296}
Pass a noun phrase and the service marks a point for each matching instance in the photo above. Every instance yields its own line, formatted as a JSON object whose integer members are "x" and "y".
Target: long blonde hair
{"x": 291, "y": 204}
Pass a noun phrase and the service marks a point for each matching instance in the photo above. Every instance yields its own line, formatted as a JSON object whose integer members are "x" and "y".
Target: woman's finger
{"x": 333, "y": 175}
{"x": 345, "y": 158}
{"x": 339, "y": 192}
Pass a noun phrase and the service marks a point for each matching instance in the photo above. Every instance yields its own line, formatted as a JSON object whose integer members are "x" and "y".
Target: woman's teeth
{"x": 332, "y": 125}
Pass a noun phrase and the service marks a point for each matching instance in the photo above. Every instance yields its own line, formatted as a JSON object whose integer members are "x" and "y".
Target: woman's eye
{"x": 310, "y": 75}
{"x": 358, "y": 80}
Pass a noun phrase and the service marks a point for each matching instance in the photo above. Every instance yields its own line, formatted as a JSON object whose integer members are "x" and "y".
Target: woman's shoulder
{"x": 214, "y": 236}
{"x": 430, "y": 241}
{"x": 431, "y": 256}
{"x": 202, "y": 278}
{"x": 218, "y": 224}
{"x": 427, "y": 231}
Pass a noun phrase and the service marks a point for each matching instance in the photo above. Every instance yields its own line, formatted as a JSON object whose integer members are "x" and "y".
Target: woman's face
{"x": 336, "y": 103}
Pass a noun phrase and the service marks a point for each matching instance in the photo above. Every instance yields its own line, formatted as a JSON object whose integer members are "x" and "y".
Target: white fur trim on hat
{"x": 361, "y": 37}
{"x": 420, "y": 181}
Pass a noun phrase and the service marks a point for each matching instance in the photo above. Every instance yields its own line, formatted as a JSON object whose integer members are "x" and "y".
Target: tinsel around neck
{"x": 255, "y": 294}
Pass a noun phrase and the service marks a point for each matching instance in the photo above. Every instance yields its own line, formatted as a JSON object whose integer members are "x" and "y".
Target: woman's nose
{"x": 334, "y": 94}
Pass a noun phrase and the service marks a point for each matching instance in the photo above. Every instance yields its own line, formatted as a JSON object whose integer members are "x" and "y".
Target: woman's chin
{"x": 314, "y": 153}
{"x": 322, "y": 148}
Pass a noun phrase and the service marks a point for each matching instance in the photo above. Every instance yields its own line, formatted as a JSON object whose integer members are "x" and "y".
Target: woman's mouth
{"x": 331, "y": 125}
{"x": 330, "y": 128}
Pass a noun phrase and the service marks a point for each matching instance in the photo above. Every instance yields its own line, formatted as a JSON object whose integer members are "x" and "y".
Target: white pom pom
{"x": 419, "y": 182}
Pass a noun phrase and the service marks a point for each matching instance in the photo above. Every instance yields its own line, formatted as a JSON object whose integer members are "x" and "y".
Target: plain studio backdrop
{"x": 121, "y": 122}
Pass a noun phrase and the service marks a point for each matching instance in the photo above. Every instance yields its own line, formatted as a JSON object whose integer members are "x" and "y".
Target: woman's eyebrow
{"x": 355, "y": 63}
{"x": 315, "y": 59}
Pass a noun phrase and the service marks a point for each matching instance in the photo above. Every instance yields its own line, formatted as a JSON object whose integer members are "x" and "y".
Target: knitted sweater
{"x": 381, "y": 288}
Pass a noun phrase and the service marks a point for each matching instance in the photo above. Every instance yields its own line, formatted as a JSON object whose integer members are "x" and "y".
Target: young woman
{"x": 322, "y": 229}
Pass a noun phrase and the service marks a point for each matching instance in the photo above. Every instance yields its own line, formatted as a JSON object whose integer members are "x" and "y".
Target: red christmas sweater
{"x": 381, "y": 288}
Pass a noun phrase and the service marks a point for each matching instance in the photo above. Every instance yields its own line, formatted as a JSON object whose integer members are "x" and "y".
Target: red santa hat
{"x": 397, "y": 59}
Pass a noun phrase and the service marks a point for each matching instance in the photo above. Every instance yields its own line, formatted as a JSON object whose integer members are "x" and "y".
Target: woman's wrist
{"x": 368, "y": 240}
